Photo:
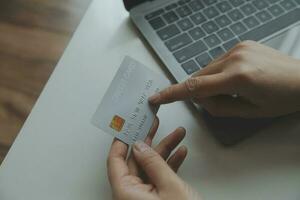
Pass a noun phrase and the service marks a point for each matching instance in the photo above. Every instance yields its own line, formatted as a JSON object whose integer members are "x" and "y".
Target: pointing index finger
{"x": 173, "y": 93}
{"x": 201, "y": 86}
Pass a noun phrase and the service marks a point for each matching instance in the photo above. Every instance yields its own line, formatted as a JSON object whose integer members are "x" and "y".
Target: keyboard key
{"x": 228, "y": 45}
{"x": 248, "y": 9}
{"x": 198, "y": 18}
{"x": 178, "y": 42}
{"x": 264, "y": 16}
{"x": 203, "y": 60}
{"x": 237, "y": 3}
{"x": 183, "y": 11}
{"x": 185, "y": 24}
{"x": 196, "y": 5}
{"x": 181, "y": 2}
{"x": 209, "y": 2}
{"x": 223, "y": 20}
{"x": 211, "y": 12}
{"x": 190, "y": 51}
{"x": 276, "y": 10}
{"x": 190, "y": 67}
{"x": 157, "y": 23}
{"x": 197, "y": 33}
{"x": 224, "y": 6}
{"x": 288, "y": 4}
{"x": 170, "y": 17}
{"x": 272, "y": 26}
{"x": 225, "y": 34}
{"x": 235, "y": 15}
{"x": 273, "y": 1}
{"x": 168, "y": 32}
{"x": 260, "y": 4}
{"x": 251, "y": 22}
{"x": 212, "y": 40}
{"x": 171, "y": 6}
{"x": 238, "y": 28}
{"x": 154, "y": 14}
{"x": 210, "y": 27}
{"x": 216, "y": 52}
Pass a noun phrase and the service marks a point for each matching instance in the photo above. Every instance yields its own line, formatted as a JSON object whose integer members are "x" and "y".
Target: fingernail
{"x": 182, "y": 129}
{"x": 141, "y": 146}
{"x": 154, "y": 98}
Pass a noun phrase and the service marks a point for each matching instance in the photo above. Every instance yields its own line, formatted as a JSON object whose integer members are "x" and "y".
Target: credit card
{"x": 124, "y": 111}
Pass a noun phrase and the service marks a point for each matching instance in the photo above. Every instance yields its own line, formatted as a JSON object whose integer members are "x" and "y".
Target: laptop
{"x": 188, "y": 34}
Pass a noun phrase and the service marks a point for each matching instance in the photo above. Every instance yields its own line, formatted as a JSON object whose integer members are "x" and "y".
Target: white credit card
{"x": 124, "y": 111}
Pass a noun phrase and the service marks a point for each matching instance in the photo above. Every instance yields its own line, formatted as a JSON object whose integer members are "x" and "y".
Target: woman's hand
{"x": 149, "y": 174}
{"x": 251, "y": 80}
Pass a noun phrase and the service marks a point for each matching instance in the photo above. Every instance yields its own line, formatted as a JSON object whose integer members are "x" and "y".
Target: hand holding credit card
{"x": 124, "y": 111}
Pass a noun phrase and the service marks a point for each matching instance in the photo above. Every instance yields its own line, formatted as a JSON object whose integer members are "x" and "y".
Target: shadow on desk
{"x": 273, "y": 147}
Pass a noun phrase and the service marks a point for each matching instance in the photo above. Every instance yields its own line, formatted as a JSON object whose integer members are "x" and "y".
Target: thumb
{"x": 157, "y": 170}
{"x": 226, "y": 106}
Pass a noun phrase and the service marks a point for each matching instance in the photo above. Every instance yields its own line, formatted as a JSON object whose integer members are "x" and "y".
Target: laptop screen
{"x": 131, "y": 3}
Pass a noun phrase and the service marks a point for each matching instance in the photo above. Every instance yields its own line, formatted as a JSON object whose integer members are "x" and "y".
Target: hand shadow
{"x": 260, "y": 146}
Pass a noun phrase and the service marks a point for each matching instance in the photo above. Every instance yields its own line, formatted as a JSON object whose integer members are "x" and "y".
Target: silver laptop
{"x": 189, "y": 34}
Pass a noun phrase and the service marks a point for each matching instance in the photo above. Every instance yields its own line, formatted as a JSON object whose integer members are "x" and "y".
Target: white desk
{"x": 60, "y": 155}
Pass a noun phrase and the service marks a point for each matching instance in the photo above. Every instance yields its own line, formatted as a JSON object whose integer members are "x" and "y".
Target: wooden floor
{"x": 33, "y": 36}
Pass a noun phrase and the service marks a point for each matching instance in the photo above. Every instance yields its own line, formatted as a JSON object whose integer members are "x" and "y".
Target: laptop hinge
{"x": 132, "y": 3}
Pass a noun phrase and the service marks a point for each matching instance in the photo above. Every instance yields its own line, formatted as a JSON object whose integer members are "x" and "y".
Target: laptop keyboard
{"x": 198, "y": 31}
